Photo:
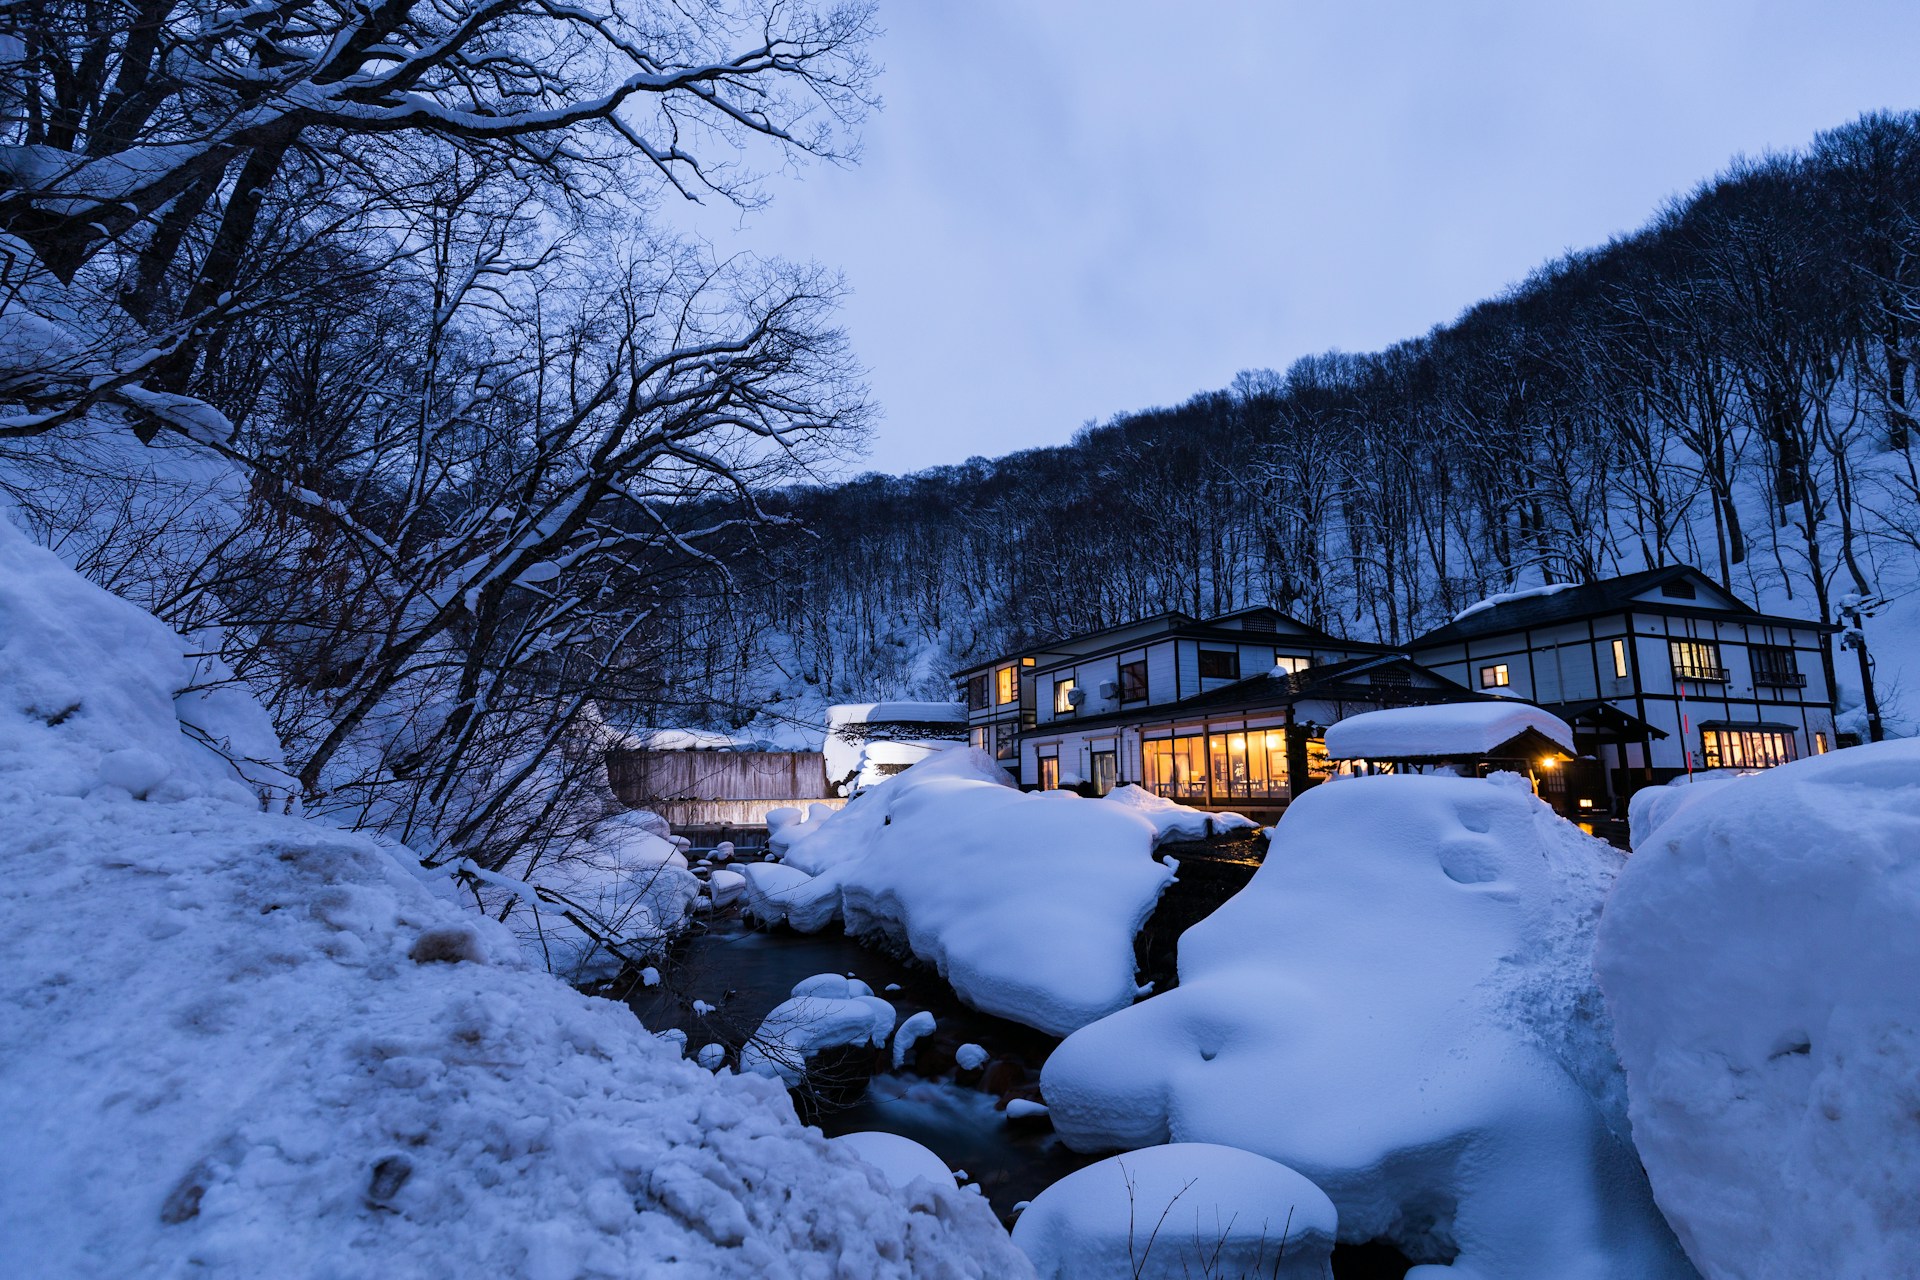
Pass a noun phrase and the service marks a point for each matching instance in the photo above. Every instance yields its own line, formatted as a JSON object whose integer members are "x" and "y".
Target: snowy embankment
{"x": 243, "y": 1044}
{"x": 1761, "y": 958}
{"x": 1027, "y": 903}
{"x": 1401, "y": 1006}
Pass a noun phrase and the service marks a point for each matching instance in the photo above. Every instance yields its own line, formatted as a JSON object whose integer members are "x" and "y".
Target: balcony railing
{"x": 1703, "y": 675}
{"x": 1780, "y": 679}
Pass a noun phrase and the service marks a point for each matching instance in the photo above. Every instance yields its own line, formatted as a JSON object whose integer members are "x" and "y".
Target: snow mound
{"x": 1761, "y": 956}
{"x": 633, "y": 884}
{"x": 1026, "y": 903}
{"x": 900, "y": 1161}
{"x": 868, "y": 742}
{"x": 826, "y": 1011}
{"x": 1174, "y": 821}
{"x": 1189, "y": 1209}
{"x": 1401, "y": 1006}
{"x": 1447, "y": 729}
{"x": 241, "y": 1044}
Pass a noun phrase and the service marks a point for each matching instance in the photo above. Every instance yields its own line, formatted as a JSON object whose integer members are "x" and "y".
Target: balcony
{"x": 1779, "y": 680}
{"x": 1699, "y": 675}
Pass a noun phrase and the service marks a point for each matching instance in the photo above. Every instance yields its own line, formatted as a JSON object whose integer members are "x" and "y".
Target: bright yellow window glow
{"x": 1009, "y": 685}
{"x": 1063, "y": 697}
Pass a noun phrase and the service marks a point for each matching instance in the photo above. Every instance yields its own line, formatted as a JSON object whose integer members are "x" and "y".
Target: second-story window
{"x": 1219, "y": 664}
{"x": 1620, "y": 659}
{"x": 1008, "y": 686}
{"x": 977, "y": 693}
{"x": 1494, "y": 676}
{"x": 1133, "y": 681}
{"x": 1697, "y": 660}
{"x": 1774, "y": 667}
{"x": 1063, "y": 697}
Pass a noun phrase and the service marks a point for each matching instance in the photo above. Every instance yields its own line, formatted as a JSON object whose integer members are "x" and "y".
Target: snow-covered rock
{"x": 900, "y": 1161}
{"x": 1026, "y": 903}
{"x": 1184, "y": 1210}
{"x": 920, "y": 1024}
{"x": 1401, "y": 1006}
{"x": 826, "y": 1011}
{"x": 726, "y": 887}
{"x": 241, "y": 1044}
{"x": 1761, "y": 957}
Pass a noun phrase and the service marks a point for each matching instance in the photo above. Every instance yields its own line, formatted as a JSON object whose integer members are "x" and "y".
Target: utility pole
{"x": 1854, "y": 611}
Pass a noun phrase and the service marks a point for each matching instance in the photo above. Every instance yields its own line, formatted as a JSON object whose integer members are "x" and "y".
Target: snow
{"x": 867, "y": 742}
{"x": 241, "y": 1043}
{"x": 1174, "y": 821}
{"x": 826, "y": 1011}
{"x": 1508, "y": 597}
{"x": 1026, "y": 903}
{"x": 1188, "y": 1209}
{"x": 920, "y": 1024}
{"x": 1447, "y": 729}
{"x": 632, "y": 884}
{"x": 1761, "y": 957}
{"x": 726, "y": 887}
{"x": 900, "y": 1161}
{"x": 1401, "y": 1006}
{"x": 1025, "y": 1109}
{"x": 970, "y": 1057}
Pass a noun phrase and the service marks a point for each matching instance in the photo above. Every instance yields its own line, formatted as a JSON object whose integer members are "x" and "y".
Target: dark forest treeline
{"x": 1731, "y": 386}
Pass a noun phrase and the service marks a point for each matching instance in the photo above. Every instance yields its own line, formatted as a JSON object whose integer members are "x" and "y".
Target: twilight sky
{"x": 1072, "y": 208}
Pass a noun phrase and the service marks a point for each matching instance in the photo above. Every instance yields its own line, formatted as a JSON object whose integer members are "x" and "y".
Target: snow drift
{"x": 1027, "y": 903}
{"x": 1445, "y": 729}
{"x": 1761, "y": 956}
{"x": 1401, "y": 1006}
{"x": 241, "y": 1044}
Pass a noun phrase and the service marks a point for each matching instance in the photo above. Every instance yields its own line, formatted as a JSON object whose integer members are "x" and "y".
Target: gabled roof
{"x": 1091, "y": 643}
{"x": 1594, "y": 599}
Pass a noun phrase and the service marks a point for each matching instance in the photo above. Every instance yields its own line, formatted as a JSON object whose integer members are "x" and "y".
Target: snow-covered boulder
{"x": 899, "y": 1161}
{"x": 1761, "y": 957}
{"x": 242, "y": 1044}
{"x": 1177, "y": 1211}
{"x": 826, "y": 1011}
{"x": 1401, "y": 1006}
{"x": 1026, "y": 903}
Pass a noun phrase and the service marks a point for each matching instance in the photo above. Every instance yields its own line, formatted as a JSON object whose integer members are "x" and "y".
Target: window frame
{"x": 1496, "y": 675}
{"x": 1231, "y": 657}
{"x": 1140, "y": 665}
{"x": 1702, "y": 663}
{"x": 1622, "y": 666}
{"x": 1006, "y": 686}
{"x": 1049, "y": 773}
{"x": 1063, "y": 688}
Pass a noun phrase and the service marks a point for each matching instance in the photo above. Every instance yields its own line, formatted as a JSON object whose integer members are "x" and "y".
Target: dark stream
{"x": 741, "y": 971}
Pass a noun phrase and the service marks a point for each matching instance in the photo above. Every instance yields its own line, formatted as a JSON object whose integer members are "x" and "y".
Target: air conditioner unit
{"x": 1076, "y": 696}
{"x": 1109, "y": 691}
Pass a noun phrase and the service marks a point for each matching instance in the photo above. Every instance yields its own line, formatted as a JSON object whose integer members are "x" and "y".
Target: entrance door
{"x": 1105, "y": 772}
{"x": 1050, "y": 773}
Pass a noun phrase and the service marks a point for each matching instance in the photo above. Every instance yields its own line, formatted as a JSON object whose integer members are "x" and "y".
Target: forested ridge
{"x": 1732, "y": 386}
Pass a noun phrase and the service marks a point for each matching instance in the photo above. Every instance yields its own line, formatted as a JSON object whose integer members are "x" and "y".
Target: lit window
{"x": 1495, "y": 676}
{"x": 1758, "y": 748}
{"x": 1620, "y": 659}
{"x": 1050, "y": 773}
{"x": 1697, "y": 660}
{"x": 1820, "y": 743}
{"x": 1009, "y": 685}
{"x": 1063, "y": 697}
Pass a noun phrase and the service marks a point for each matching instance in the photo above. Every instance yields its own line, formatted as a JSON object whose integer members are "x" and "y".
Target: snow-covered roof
{"x": 1508, "y": 597}
{"x": 1447, "y": 730}
{"x": 909, "y": 712}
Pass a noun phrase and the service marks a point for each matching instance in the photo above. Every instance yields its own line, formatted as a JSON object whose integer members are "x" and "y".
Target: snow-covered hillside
{"x": 242, "y": 1044}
